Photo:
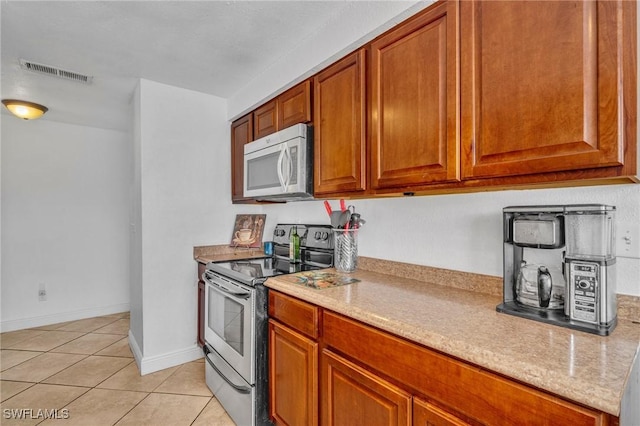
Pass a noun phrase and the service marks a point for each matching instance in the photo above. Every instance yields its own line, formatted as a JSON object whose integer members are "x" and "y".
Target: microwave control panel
{"x": 584, "y": 285}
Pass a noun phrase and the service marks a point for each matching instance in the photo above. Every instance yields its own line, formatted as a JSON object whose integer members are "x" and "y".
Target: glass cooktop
{"x": 252, "y": 271}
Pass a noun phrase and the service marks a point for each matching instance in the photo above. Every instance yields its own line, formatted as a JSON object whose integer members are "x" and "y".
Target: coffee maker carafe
{"x": 559, "y": 265}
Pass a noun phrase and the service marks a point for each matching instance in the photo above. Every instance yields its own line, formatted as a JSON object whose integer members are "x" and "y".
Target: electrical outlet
{"x": 42, "y": 292}
{"x": 628, "y": 240}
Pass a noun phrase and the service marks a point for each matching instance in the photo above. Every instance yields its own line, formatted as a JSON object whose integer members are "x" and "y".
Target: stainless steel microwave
{"x": 279, "y": 167}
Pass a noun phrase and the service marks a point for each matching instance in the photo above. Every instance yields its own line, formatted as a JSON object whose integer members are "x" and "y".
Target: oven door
{"x": 229, "y": 322}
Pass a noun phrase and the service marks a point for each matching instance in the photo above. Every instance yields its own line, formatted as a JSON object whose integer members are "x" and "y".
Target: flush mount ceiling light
{"x": 24, "y": 109}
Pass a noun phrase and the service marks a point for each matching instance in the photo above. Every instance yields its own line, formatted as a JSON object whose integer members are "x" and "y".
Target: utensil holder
{"x": 345, "y": 249}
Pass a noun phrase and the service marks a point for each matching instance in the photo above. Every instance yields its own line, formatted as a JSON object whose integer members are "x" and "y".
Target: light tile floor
{"x": 83, "y": 373}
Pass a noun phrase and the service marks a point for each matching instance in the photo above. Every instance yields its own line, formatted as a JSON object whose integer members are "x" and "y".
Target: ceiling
{"x": 214, "y": 47}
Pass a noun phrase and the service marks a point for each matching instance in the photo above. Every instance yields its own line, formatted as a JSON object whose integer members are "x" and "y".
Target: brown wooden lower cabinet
{"x": 293, "y": 377}
{"x": 353, "y": 396}
{"x": 427, "y": 414}
{"x": 370, "y": 377}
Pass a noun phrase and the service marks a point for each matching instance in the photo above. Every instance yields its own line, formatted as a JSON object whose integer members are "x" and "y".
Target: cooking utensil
{"x": 327, "y": 207}
{"x": 355, "y": 221}
{"x": 345, "y": 215}
{"x": 336, "y": 219}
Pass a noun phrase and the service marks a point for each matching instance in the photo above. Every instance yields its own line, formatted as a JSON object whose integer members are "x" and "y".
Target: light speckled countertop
{"x": 585, "y": 368}
{"x": 222, "y": 253}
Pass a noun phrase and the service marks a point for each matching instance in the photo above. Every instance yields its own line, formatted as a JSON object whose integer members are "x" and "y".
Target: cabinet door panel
{"x": 241, "y": 134}
{"x": 353, "y": 396}
{"x": 293, "y": 377}
{"x": 540, "y": 88}
{"x": 265, "y": 120}
{"x": 339, "y": 131}
{"x": 294, "y": 106}
{"x": 427, "y": 414}
{"x": 414, "y": 71}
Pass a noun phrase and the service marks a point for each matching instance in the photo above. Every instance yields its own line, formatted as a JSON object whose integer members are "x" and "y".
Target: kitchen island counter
{"x": 588, "y": 369}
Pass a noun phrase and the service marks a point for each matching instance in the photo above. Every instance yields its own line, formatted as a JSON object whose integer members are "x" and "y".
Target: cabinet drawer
{"x": 299, "y": 315}
{"x": 474, "y": 393}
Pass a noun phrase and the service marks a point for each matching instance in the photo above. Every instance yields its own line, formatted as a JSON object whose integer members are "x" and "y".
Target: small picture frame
{"x": 247, "y": 230}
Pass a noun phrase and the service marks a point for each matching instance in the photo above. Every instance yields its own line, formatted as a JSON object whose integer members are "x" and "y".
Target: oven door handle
{"x": 239, "y": 388}
{"x": 223, "y": 289}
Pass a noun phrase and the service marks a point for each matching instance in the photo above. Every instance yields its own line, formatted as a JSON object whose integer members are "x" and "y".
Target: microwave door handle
{"x": 289, "y": 165}
{"x": 280, "y": 167}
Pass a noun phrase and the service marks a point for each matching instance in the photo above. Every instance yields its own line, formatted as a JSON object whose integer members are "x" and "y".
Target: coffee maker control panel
{"x": 584, "y": 284}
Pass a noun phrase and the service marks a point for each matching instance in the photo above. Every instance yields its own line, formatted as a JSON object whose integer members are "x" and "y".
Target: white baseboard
{"x": 152, "y": 364}
{"x": 135, "y": 349}
{"x": 20, "y": 324}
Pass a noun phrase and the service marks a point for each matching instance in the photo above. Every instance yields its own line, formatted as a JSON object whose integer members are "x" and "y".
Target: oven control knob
{"x": 583, "y": 284}
{"x": 317, "y": 235}
{"x": 325, "y": 235}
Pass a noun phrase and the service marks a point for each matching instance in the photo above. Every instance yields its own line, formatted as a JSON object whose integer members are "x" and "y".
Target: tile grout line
{"x": 88, "y": 389}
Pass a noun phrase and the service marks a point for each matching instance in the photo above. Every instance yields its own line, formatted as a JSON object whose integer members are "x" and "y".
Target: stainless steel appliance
{"x": 280, "y": 166}
{"x": 236, "y": 313}
{"x": 559, "y": 265}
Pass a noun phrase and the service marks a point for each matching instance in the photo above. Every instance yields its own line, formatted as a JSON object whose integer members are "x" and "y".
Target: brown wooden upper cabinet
{"x": 475, "y": 95}
{"x": 294, "y": 105}
{"x": 291, "y": 107}
{"x": 541, "y": 86}
{"x": 265, "y": 119}
{"x": 241, "y": 133}
{"x": 339, "y": 117}
{"x": 414, "y": 100}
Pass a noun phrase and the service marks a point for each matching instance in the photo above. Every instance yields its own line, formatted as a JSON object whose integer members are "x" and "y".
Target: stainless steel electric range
{"x": 236, "y": 313}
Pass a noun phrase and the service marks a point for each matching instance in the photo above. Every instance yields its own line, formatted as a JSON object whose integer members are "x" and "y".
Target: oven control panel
{"x": 320, "y": 237}
{"x": 311, "y": 236}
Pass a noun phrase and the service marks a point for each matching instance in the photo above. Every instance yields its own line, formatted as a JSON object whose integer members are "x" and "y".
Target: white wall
{"x": 464, "y": 231}
{"x": 357, "y": 23}
{"x": 65, "y": 209}
{"x": 185, "y": 201}
{"x": 136, "y": 322}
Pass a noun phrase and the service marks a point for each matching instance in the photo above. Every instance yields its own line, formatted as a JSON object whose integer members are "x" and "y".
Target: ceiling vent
{"x": 55, "y": 72}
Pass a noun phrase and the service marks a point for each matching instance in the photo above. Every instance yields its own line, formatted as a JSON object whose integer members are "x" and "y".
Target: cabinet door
{"x": 541, "y": 86}
{"x": 293, "y": 377}
{"x": 427, "y": 414}
{"x": 294, "y": 105}
{"x": 241, "y": 134}
{"x": 265, "y": 119}
{"x": 353, "y": 396}
{"x": 339, "y": 126}
{"x": 414, "y": 105}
